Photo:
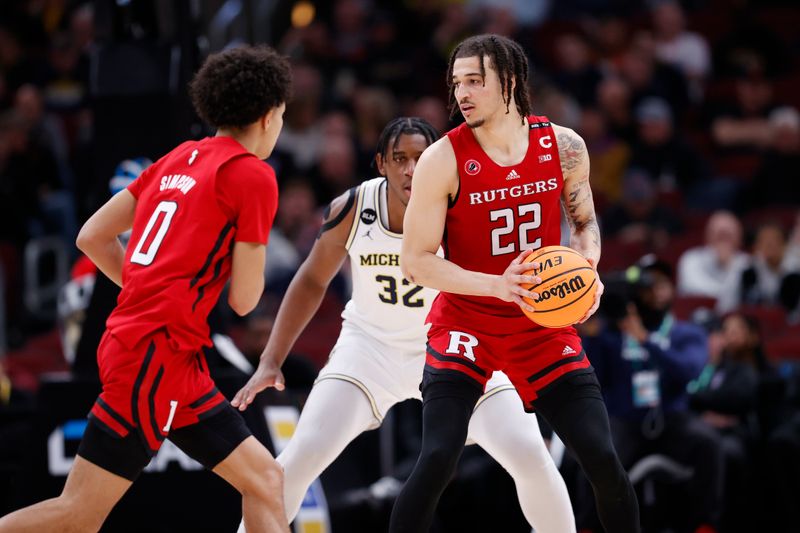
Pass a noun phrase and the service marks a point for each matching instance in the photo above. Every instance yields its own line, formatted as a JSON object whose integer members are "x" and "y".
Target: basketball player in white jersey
{"x": 380, "y": 354}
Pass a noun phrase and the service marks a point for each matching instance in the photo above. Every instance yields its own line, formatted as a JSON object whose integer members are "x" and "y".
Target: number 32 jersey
{"x": 192, "y": 205}
{"x": 384, "y": 304}
{"x": 499, "y": 211}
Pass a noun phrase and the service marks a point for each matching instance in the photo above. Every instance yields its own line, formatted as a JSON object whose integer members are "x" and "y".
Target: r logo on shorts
{"x": 458, "y": 340}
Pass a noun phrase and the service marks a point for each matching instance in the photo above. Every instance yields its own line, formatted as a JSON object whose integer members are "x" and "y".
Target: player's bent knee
{"x": 438, "y": 457}
{"x": 266, "y": 483}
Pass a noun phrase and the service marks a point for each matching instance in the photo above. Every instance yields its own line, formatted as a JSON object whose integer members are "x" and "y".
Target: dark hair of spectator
{"x": 235, "y": 88}
{"x": 404, "y": 126}
{"x": 755, "y": 354}
{"x": 508, "y": 59}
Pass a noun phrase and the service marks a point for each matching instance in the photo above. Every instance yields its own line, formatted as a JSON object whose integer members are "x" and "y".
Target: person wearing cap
{"x": 645, "y": 360}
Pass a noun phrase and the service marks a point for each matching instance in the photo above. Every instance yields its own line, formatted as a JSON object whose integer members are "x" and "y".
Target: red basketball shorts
{"x": 152, "y": 388}
{"x": 532, "y": 360}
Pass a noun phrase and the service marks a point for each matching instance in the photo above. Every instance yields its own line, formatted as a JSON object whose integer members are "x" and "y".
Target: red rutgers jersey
{"x": 499, "y": 212}
{"x": 192, "y": 205}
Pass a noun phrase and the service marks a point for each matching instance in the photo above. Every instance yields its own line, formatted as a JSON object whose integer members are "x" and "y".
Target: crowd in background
{"x": 690, "y": 114}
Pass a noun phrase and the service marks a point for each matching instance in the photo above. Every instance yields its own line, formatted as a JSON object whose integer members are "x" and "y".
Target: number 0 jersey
{"x": 383, "y": 304}
{"x": 192, "y": 205}
{"x": 498, "y": 212}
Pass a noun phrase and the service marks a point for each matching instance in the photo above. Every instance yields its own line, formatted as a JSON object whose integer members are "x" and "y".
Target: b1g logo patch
{"x": 472, "y": 167}
{"x": 368, "y": 216}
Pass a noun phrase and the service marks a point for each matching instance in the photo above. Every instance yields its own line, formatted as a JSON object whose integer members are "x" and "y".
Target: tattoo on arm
{"x": 579, "y": 202}
{"x": 571, "y": 150}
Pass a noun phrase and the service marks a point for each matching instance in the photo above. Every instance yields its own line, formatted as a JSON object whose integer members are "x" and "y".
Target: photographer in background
{"x": 644, "y": 359}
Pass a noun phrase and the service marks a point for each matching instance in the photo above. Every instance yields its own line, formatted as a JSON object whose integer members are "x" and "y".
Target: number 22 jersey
{"x": 499, "y": 211}
{"x": 192, "y": 205}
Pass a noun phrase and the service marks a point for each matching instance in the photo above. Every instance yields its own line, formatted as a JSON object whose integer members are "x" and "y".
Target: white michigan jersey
{"x": 381, "y": 348}
{"x": 384, "y": 304}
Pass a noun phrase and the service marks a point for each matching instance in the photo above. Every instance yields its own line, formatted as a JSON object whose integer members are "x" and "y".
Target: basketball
{"x": 567, "y": 289}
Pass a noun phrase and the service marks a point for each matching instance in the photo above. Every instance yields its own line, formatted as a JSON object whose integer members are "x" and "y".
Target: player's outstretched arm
{"x": 435, "y": 182}
{"x": 98, "y": 238}
{"x": 579, "y": 203}
{"x": 302, "y": 299}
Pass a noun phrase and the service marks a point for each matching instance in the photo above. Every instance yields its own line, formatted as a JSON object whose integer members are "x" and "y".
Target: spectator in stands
{"x": 336, "y": 169}
{"x": 555, "y": 104}
{"x": 647, "y": 76}
{"x": 709, "y": 270}
{"x": 294, "y": 226}
{"x": 614, "y": 100}
{"x": 685, "y": 50}
{"x": 45, "y": 128}
{"x": 665, "y": 155}
{"x": 33, "y": 198}
{"x": 776, "y": 181}
{"x": 745, "y": 123}
{"x": 725, "y": 395}
{"x": 610, "y": 156}
{"x": 374, "y": 107}
{"x": 431, "y": 109}
{"x": 575, "y": 72}
{"x": 770, "y": 277}
{"x": 301, "y": 138}
{"x": 644, "y": 360}
{"x": 639, "y": 218}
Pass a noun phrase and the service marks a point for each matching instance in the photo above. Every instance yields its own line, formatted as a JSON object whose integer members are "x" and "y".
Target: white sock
{"x": 511, "y": 436}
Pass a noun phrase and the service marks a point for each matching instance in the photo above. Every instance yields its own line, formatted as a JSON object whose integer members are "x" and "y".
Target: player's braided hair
{"x": 509, "y": 60}
{"x": 236, "y": 87}
{"x": 404, "y": 126}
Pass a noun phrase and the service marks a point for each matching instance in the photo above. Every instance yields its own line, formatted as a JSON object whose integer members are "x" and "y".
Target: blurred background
{"x": 690, "y": 113}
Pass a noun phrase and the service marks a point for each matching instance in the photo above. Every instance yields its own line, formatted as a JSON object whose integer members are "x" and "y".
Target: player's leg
{"x": 336, "y": 412}
{"x": 575, "y": 410}
{"x": 511, "y": 436}
{"x": 223, "y": 444}
{"x": 446, "y": 409}
{"x": 103, "y": 470}
{"x": 258, "y": 477}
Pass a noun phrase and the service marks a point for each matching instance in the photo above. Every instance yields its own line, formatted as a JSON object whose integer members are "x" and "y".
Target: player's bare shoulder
{"x": 438, "y": 168}
{"x": 337, "y": 220}
{"x": 572, "y": 152}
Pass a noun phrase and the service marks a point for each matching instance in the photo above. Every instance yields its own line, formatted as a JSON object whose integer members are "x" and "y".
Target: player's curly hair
{"x": 236, "y": 87}
{"x": 404, "y": 126}
{"x": 509, "y": 60}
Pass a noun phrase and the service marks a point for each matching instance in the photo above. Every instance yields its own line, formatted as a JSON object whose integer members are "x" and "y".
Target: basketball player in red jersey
{"x": 490, "y": 192}
{"x": 200, "y": 216}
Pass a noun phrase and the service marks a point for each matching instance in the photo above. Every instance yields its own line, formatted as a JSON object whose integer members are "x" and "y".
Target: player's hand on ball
{"x": 268, "y": 374}
{"x": 507, "y": 287}
{"x": 598, "y": 293}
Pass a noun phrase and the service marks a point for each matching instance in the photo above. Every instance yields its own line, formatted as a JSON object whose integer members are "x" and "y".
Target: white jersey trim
{"x": 350, "y": 379}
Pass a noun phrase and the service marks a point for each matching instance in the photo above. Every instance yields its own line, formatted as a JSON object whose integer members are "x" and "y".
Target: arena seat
{"x": 684, "y": 306}
{"x": 783, "y": 347}
{"x": 771, "y": 319}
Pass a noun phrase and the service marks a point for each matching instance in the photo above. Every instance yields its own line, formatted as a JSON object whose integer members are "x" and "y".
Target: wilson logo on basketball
{"x": 562, "y": 289}
{"x": 472, "y": 167}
